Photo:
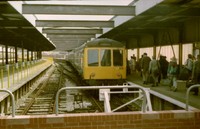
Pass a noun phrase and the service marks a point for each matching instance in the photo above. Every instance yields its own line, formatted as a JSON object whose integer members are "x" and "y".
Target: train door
{"x": 119, "y": 63}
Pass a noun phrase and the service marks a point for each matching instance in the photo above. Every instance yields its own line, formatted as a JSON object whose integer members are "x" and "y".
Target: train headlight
{"x": 92, "y": 75}
{"x": 119, "y": 75}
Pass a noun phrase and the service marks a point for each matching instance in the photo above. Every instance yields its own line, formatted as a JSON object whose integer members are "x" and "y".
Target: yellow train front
{"x": 104, "y": 62}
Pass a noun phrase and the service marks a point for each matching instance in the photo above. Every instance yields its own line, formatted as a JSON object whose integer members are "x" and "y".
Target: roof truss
{"x": 66, "y": 23}
{"x": 78, "y": 9}
{"x": 71, "y": 31}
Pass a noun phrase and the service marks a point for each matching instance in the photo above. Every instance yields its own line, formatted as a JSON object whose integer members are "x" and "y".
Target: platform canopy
{"x": 69, "y": 24}
{"x": 17, "y": 31}
{"x": 159, "y": 22}
{"x": 137, "y": 23}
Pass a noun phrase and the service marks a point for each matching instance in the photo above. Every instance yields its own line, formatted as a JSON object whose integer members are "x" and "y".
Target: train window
{"x": 117, "y": 57}
{"x": 93, "y": 57}
{"x": 105, "y": 57}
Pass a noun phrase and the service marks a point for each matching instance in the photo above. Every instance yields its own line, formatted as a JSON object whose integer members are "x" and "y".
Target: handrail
{"x": 100, "y": 87}
{"x": 13, "y": 100}
{"x": 187, "y": 95}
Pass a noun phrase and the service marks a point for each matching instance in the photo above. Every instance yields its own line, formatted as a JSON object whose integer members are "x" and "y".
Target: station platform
{"x": 179, "y": 95}
{"x": 171, "y": 119}
{"x": 19, "y": 81}
{"x": 14, "y": 74}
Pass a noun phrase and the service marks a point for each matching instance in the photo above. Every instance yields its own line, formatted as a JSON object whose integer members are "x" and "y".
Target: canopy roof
{"x": 137, "y": 23}
{"x": 15, "y": 30}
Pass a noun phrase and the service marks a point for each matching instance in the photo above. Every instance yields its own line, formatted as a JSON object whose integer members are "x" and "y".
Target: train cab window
{"x": 105, "y": 57}
{"x": 93, "y": 57}
{"x": 117, "y": 57}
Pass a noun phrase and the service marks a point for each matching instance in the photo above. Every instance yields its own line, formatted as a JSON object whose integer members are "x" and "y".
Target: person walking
{"x": 189, "y": 65}
{"x": 145, "y": 67}
{"x": 163, "y": 66}
{"x": 172, "y": 73}
{"x": 154, "y": 70}
{"x": 132, "y": 64}
{"x": 140, "y": 64}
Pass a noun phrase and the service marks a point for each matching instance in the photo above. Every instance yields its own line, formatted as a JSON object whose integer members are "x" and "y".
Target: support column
{"x": 3, "y": 55}
{"x": 27, "y": 55}
{"x": 6, "y": 53}
{"x": 35, "y": 55}
{"x": 10, "y": 55}
{"x": 16, "y": 57}
{"x": 181, "y": 37}
{"x": 138, "y": 54}
{"x": 39, "y": 55}
{"x": 154, "y": 51}
{"x": 31, "y": 55}
{"x": 13, "y": 54}
{"x": 22, "y": 54}
{"x": 180, "y": 54}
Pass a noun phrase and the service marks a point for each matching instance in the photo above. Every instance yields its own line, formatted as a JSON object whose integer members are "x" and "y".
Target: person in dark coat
{"x": 164, "y": 66}
{"x": 140, "y": 64}
{"x": 145, "y": 67}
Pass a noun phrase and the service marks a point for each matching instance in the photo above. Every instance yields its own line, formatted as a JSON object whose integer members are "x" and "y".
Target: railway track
{"x": 77, "y": 101}
{"x": 41, "y": 100}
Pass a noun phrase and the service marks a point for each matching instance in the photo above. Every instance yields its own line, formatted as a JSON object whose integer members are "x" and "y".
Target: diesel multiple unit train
{"x": 101, "y": 61}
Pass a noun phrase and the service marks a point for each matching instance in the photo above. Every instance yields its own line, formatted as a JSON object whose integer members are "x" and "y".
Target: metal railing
{"x": 13, "y": 100}
{"x": 145, "y": 104}
{"x": 13, "y": 73}
{"x": 187, "y": 95}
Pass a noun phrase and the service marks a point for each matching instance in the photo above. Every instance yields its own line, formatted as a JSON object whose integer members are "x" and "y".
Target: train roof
{"x": 104, "y": 42}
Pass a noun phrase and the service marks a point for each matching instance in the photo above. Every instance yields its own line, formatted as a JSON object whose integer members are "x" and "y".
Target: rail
{"x": 13, "y": 100}
{"x": 187, "y": 95}
{"x": 146, "y": 104}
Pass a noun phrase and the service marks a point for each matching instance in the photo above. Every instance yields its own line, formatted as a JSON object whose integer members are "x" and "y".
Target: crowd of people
{"x": 153, "y": 70}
